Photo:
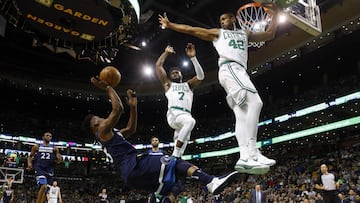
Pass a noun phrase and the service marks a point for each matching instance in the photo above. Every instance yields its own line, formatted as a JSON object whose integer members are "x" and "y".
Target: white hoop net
{"x": 253, "y": 17}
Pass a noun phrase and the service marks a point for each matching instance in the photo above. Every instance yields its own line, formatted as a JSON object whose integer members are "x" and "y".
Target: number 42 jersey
{"x": 232, "y": 45}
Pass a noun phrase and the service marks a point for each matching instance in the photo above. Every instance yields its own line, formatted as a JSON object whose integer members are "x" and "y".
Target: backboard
{"x": 17, "y": 174}
{"x": 305, "y": 14}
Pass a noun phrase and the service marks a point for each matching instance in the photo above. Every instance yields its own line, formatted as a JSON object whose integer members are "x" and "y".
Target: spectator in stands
{"x": 343, "y": 198}
{"x": 103, "y": 196}
{"x": 257, "y": 195}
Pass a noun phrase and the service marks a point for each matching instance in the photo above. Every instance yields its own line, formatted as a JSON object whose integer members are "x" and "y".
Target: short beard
{"x": 177, "y": 80}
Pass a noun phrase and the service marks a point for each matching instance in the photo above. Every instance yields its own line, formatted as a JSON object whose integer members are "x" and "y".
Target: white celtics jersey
{"x": 54, "y": 192}
{"x": 232, "y": 45}
{"x": 180, "y": 97}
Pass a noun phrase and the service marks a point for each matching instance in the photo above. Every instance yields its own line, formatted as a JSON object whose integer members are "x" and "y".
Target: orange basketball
{"x": 110, "y": 75}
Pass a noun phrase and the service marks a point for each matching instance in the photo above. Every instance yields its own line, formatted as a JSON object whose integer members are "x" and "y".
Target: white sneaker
{"x": 251, "y": 166}
{"x": 255, "y": 171}
{"x": 218, "y": 184}
{"x": 263, "y": 159}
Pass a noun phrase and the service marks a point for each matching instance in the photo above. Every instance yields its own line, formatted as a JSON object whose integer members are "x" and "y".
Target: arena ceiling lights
{"x": 83, "y": 28}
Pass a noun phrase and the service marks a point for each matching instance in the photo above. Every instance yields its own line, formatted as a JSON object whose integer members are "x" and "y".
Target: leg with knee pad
{"x": 187, "y": 123}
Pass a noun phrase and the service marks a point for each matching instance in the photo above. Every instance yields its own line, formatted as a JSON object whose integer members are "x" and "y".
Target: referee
{"x": 328, "y": 185}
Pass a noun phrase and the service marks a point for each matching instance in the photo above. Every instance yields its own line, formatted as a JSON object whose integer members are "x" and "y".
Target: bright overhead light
{"x": 185, "y": 63}
{"x": 143, "y": 43}
{"x": 147, "y": 70}
{"x": 293, "y": 56}
{"x": 282, "y": 18}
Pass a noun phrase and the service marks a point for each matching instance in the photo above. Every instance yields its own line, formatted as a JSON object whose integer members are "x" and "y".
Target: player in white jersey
{"x": 54, "y": 194}
{"x": 242, "y": 96}
{"x": 180, "y": 97}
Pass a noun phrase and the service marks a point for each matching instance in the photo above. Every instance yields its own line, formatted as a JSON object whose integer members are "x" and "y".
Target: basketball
{"x": 285, "y": 3}
{"x": 110, "y": 75}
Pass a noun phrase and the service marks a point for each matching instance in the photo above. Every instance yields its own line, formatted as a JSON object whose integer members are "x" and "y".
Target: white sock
{"x": 244, "y": 152}
{"x": 176, "y": 152}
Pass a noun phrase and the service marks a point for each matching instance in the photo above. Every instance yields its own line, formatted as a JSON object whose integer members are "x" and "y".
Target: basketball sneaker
{"x": 251, "y": 166}
{"x": 263, "y": 159}
{"x": 218, "y": 184}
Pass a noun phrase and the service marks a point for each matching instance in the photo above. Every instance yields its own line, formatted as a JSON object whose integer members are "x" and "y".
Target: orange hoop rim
{"x": 253, "y": 4}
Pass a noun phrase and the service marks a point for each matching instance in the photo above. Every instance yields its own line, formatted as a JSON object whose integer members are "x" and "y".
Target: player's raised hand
{"x": 190, "y": 50}
{"x": 164, "y": 21}
{"x": 99, "y": 83}
{"x": 131, "y": 98}
{"x": 169, "y": 49}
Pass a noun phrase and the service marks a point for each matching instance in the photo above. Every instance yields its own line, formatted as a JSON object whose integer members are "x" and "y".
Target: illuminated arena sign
{"x": 76, "y": 21}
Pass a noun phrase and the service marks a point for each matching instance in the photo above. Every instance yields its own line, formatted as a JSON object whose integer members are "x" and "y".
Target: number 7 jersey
{"x": 232, "y": 45}
{"x": 180, "y": 97}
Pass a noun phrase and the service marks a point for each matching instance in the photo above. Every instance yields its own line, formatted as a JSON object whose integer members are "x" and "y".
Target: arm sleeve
{"x": 198, "y": 69}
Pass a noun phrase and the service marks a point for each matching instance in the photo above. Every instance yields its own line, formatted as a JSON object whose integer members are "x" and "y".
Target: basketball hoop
{"x": 254, "y": 18}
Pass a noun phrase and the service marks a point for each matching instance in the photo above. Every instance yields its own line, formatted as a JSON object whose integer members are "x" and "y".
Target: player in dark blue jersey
{"x": 7, "y": 194}
{"x": 155, "y": 151}
{"x": 42, "y": 159}
{"x": 150, "y": 173}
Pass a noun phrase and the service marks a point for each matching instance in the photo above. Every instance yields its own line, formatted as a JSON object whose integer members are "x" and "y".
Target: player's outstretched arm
{"x": 105, "y": 127}
{"x": 191, "y": 53}
{"x": 160, "y": 71}
{"x": 269, "y": 33}
{"x": 201, "y": 33}
{"x": 131, "y": 126}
